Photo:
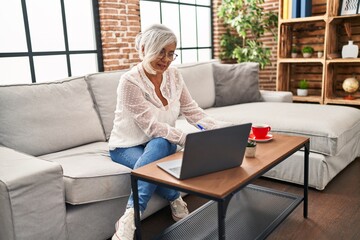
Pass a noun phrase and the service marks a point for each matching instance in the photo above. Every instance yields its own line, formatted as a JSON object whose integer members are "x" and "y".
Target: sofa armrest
{"x": 32, "y": 202}
{"x": 276, "y": 96}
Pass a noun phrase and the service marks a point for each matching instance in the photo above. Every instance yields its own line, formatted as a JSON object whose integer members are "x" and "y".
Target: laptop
{"x": 210, "y": 151}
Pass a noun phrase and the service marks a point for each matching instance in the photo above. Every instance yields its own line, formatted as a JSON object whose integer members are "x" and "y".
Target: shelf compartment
{"x": 338, "y": 34}
{"x": 301, "y": 34}
{"x": 291, "y": 73}
{"x": 337, "y": 73}
{"x": 319, "y": 8}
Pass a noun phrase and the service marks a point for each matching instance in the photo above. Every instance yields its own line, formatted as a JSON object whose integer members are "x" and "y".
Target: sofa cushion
{"x": 42, "y": 118}
{"x": 90, "y": 175}
{"x": 103, "y": 87}
{"x": 329, "y": 127}
{"x": 198, "y": 78}
{"x": 236, "y": 83}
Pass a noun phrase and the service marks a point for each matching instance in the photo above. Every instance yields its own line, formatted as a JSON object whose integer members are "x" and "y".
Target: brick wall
{"x": 268, "y": 75}
{"x": 120, "y": 22}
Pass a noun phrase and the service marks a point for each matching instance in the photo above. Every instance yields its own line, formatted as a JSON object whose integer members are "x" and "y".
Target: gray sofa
{"x": 58, "y": 182}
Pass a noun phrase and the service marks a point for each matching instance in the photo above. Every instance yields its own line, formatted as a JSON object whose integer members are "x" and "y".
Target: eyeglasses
{"x": 170, "y": 55}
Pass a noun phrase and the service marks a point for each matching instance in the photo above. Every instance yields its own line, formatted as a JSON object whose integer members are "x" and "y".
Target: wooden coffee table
{"x": 221, "y": 186}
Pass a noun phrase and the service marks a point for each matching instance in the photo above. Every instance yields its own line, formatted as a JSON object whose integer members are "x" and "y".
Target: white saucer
{"x": 267, "y": 138}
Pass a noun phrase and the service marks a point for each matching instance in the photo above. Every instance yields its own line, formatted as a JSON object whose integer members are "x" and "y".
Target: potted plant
{"x": 250, "y": 148}
{"x": 307, "y": 51}
{"x": 303, "y": 88}
{"x": 247, "y": 23}
{"x": 294, "y": 52}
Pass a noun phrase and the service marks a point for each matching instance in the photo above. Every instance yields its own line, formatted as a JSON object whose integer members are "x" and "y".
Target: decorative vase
{"x": 350, "y": 50}
{"x": 250, "y": 152}
{"x": 302, "y": 92}
{"x": 320, "y": 54}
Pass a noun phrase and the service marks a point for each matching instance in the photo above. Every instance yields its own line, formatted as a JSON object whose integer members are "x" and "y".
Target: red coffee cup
{"x": 260, "y": 130}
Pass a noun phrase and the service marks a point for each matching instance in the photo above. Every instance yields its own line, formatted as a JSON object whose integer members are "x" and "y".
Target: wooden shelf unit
{"x": 324, "y": 31}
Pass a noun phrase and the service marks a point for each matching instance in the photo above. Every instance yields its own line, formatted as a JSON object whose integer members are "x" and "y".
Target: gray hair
{"x": 150, "y": 42}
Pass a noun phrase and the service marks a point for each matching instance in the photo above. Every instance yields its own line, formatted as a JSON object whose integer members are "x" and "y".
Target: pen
{"x": 200, "y": 127}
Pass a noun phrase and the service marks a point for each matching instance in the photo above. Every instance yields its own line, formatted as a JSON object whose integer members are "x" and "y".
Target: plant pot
{"x": 307, "y": 55}
{"x": 302, "y": 92}
{"x": 250, "y": 152}
{"x": 320, "y": 54}
{"x": 293, "y": 55}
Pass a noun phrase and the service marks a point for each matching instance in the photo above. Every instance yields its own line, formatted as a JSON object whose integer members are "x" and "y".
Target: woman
{"x": 150, "y": 98}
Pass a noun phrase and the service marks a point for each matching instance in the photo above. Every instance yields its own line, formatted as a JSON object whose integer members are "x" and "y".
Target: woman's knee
{"x": 127, "y": 156}
{"x": 163, "y": 144}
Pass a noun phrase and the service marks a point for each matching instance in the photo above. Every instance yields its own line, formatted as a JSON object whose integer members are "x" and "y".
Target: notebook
{"x": 210, "y": 151}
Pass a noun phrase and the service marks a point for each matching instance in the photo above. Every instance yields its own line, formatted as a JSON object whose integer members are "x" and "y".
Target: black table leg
{"x": 134, "y": 187}
{"x": 306, "y": 177}
{"x": 222, "y": 207}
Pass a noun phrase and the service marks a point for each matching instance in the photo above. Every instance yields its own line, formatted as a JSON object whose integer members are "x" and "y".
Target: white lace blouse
{"x": 141, "y": 116}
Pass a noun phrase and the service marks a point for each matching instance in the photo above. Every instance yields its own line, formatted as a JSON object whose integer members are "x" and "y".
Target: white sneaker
{"x": 179, "y": 209}
{"x": 125, "y": 227}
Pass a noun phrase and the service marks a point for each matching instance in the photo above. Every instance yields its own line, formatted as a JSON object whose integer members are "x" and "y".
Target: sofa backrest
{"x": 103, "y": 87}
{"x": 43, "y": 118}
{"x": 199, "y": 79}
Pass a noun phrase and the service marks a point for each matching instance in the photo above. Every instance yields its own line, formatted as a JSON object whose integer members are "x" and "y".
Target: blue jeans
{"x": 135, "y": 157}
